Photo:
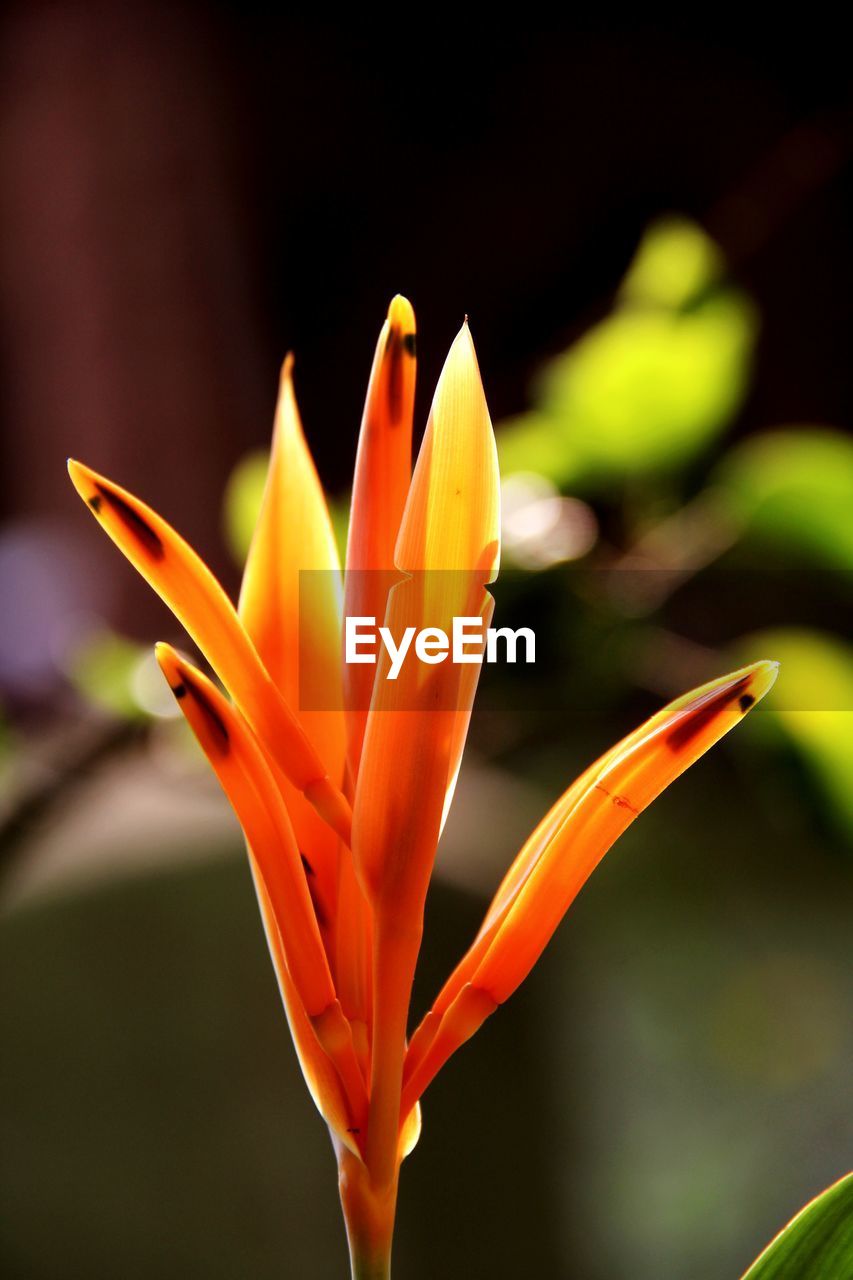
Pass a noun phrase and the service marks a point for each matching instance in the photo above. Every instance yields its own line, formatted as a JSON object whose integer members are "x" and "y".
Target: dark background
{"x": 187, "y": 192}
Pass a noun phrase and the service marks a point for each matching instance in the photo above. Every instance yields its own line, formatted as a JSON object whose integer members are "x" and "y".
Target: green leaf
{"x": 653, "y": 383}
{"x": 817, "y": 1244}
{"x": 794, "y": 488}
{"x": 645, "y": 390}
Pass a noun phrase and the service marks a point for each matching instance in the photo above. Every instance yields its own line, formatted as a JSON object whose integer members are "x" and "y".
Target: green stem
{"x": 371, "y": 1268}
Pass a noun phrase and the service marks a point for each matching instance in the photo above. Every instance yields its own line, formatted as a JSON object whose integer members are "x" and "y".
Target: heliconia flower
{"x": 342, "y": 804}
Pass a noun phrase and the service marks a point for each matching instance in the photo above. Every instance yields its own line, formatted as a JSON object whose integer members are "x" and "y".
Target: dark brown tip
{"x": 394, "y": 352}
{"x": 309, "y": 870}
{"x": 410, "y": 344}
{"x": 706, "y": 712}
{"x": 746, "y": 701}
{"x": 134, "y": 523}
{"x": 180, "y": 691}
{"x": 216, "y": 728}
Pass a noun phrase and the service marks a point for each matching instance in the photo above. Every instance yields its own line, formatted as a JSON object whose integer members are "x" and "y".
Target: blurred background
{"x": 650, "y": 231}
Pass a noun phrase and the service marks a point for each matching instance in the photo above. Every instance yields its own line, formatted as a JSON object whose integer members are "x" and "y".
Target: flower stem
{"x": 371, "y": 1268}
{"x": 395, "y": 954}
{"x": 369, "y": 1217}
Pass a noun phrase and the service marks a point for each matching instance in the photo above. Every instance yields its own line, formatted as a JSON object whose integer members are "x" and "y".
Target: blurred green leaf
{"x": 531, "y": 443}
{"x": 812, "y": 704}
{"x": 675, "y": 263}
{"x": 651, "y": 385}
{"x": 817, "y": 1244}
{"x": 794, "y": 487}
{"x": 242, "y": 503}
{"x": 104, "y": 669}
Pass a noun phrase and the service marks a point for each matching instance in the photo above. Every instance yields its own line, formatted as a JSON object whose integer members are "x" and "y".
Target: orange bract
{"x": 341, "y": 778}
{"x": 383, "y": 471}
{"x": 190, "y": 590}
{"x": 292, "y": 589}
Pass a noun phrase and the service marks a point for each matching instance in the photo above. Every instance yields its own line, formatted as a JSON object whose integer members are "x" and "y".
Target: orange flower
{"x": 342, "y": 804}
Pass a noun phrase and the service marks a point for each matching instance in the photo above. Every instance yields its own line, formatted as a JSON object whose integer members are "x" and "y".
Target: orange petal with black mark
{"x": 564, "y": 851}
{"x": 244, "y": 774}
{"x": 242, "y": 770}
{"x": 193, "y": 594}
{"x": 383, "y": 471}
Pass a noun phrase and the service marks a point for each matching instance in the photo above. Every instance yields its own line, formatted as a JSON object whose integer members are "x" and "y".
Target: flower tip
{"x": 78, "y": 474}
{"x": 168, "y": 662}
{"x": 748, "y": 685}
{"x": 763, "y": 675}
{"x": 173, "y": 668}
{"x": 286, "y": 374}
{"x": 462, "y": 356}
{"x": 401, "y": 314}
{"x": 85, "y": 481}
{"x": 288, "y": 423}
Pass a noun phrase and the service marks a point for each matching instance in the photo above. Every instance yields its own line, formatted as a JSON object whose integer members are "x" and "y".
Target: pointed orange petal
{"x": 514, "y": 879}
{"x": 383, "y": 470}
{"x": 449, "y": 543}
{"x": 294, "y": 543}
{"x": 628, "y": 782}
{"x": 452, "y": 515}
{"x": 241, "y": 767}
{"x": 190, "y": 590}
{"x": 565, "y": 849}
{"x": 290, "y": 604}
